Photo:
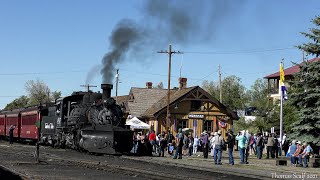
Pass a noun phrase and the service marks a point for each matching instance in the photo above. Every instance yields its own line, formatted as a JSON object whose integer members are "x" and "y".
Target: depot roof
{"x": 289, "y": 71}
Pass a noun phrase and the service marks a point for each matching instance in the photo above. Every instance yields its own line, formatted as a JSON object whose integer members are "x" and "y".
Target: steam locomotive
{"x": 85, "y": 121}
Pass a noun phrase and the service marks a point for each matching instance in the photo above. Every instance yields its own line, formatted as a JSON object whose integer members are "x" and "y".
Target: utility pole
{"x": 117, "y": 82}
{"x": 169, "y": 52}
{"x": 220, "y": 88}
{"x": 88, "y": 86}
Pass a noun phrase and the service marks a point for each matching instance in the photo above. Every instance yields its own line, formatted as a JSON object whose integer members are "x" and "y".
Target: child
{"x": 171, "y": 147}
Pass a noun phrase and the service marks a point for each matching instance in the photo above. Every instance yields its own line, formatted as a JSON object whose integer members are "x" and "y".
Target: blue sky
{"x": 59, "y": 42}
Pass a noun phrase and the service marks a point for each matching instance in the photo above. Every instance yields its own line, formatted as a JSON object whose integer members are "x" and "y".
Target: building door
{"x": 207, "y": 125}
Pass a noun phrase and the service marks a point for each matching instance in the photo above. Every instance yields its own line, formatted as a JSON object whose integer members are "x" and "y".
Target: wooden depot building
{"x": 190, "y": 107}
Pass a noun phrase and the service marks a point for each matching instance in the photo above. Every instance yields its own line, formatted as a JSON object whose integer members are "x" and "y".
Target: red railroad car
{"x": 29, "y": 117}
{"x": 2, "y": 124}
{"x": 13, "y": 118}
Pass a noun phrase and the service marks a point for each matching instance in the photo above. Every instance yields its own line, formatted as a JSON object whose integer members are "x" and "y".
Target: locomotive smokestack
{"x": 106, "y": 91}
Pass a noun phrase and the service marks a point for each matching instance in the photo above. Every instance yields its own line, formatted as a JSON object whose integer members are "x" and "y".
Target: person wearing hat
{"x": 230, "y": 142}
{"x": 218, "y": 148}
{"x": 205, "y": 144}
{"x": 295, "y": 156}
{"x": 305, "y": 155}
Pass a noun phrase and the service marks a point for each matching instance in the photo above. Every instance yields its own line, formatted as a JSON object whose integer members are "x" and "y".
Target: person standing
{"x": 211, "y": 142}
{"x": 195, "y": 144}
{"x": 284, "y": 144}
{"x": 252, "y": 144}
{"x": 152, "y": 140}
{"x": 179, "y": 140}
{"x": 291, "y": 151}
{"x": 276, "y": 146}
{"x": 162, "y": 144}
{"x": 218, "y": 147}
{"x": 241, "y": 144}
{"x": 270, "y": 146}
{"x": 12, "y": 127}
{"x": 170, "y": 140}
{"x": 259, "y": 146}
{"x": 239, "y": 134}
{"x": 190, "y": 145}
{"x": 230, "y": 142}
{"x": 135, "y": 143}
{"x": 185, "y": 147}
{"x": 247, "y": 145}
{"x": 205, "y": 143}
{"x": 295, "y": 156}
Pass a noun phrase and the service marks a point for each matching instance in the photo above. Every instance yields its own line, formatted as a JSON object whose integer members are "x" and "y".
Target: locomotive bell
{"x": 106, "y": 91}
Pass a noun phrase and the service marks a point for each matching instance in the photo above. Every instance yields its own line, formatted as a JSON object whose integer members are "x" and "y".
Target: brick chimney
{"x": 182, "y": 83}
{"x": 149, "y": 85}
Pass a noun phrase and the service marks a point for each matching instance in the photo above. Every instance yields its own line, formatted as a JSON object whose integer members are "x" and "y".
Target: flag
{"x": 281, "y": 74}
{"x": 281, "y": 82}
{"x": 284, "y": 92}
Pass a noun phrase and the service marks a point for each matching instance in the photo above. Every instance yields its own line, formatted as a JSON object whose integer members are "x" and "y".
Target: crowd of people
{"x": 246, "y": 143}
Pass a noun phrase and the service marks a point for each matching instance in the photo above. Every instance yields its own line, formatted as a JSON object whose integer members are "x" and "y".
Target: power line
{"x": 204, "y": 77}
{"x": 165, "y": 75}
{"x": 239, "y": 51}
{"x": 37, "y": 73}
{"x": 9, "y": 96}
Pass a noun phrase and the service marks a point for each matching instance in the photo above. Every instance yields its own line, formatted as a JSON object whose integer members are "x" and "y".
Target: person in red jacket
{"x": 152, "y": 140}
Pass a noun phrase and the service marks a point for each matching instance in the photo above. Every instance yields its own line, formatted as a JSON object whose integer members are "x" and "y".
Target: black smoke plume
{"x": 165, "y": 22}
{"x": 124, "y": 36}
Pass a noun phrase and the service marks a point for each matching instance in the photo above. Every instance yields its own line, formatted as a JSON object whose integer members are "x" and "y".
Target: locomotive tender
{"x": 85, "y": 121}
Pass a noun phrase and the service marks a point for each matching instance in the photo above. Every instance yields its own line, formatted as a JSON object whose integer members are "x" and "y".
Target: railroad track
{"x": 98, "y": 165}
{"x": 128, "y": 166}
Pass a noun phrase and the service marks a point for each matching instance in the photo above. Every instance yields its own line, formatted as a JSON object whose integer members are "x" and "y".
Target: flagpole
{"x": 281, "y": 103}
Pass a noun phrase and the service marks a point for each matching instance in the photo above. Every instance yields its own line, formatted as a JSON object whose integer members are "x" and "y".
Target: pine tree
{"x": 306, "y": 92}
{"x": 314, "y": 46}
{"x": 306, "y": 97}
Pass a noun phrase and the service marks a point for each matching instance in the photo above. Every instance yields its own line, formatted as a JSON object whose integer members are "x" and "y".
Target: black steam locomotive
{"x": 87, "y": 121}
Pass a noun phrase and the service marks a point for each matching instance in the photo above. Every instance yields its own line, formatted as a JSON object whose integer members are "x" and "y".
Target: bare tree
{"x": 38, "y": 91}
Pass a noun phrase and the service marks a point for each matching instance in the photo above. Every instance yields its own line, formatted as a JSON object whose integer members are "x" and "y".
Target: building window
{"x": 207, "y": 125}
{"x": 195, "y": 105}
{"x": 182, "y": 124}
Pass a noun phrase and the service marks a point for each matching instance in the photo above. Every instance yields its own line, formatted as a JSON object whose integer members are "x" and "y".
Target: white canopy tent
{"x": 136, "y": 123}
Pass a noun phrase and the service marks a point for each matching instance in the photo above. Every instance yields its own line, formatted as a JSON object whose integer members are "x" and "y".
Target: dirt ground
{"x": 69, "y": 164}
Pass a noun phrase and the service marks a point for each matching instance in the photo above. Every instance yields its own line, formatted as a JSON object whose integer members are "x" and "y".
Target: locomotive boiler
{"x": 88, "y": 121}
